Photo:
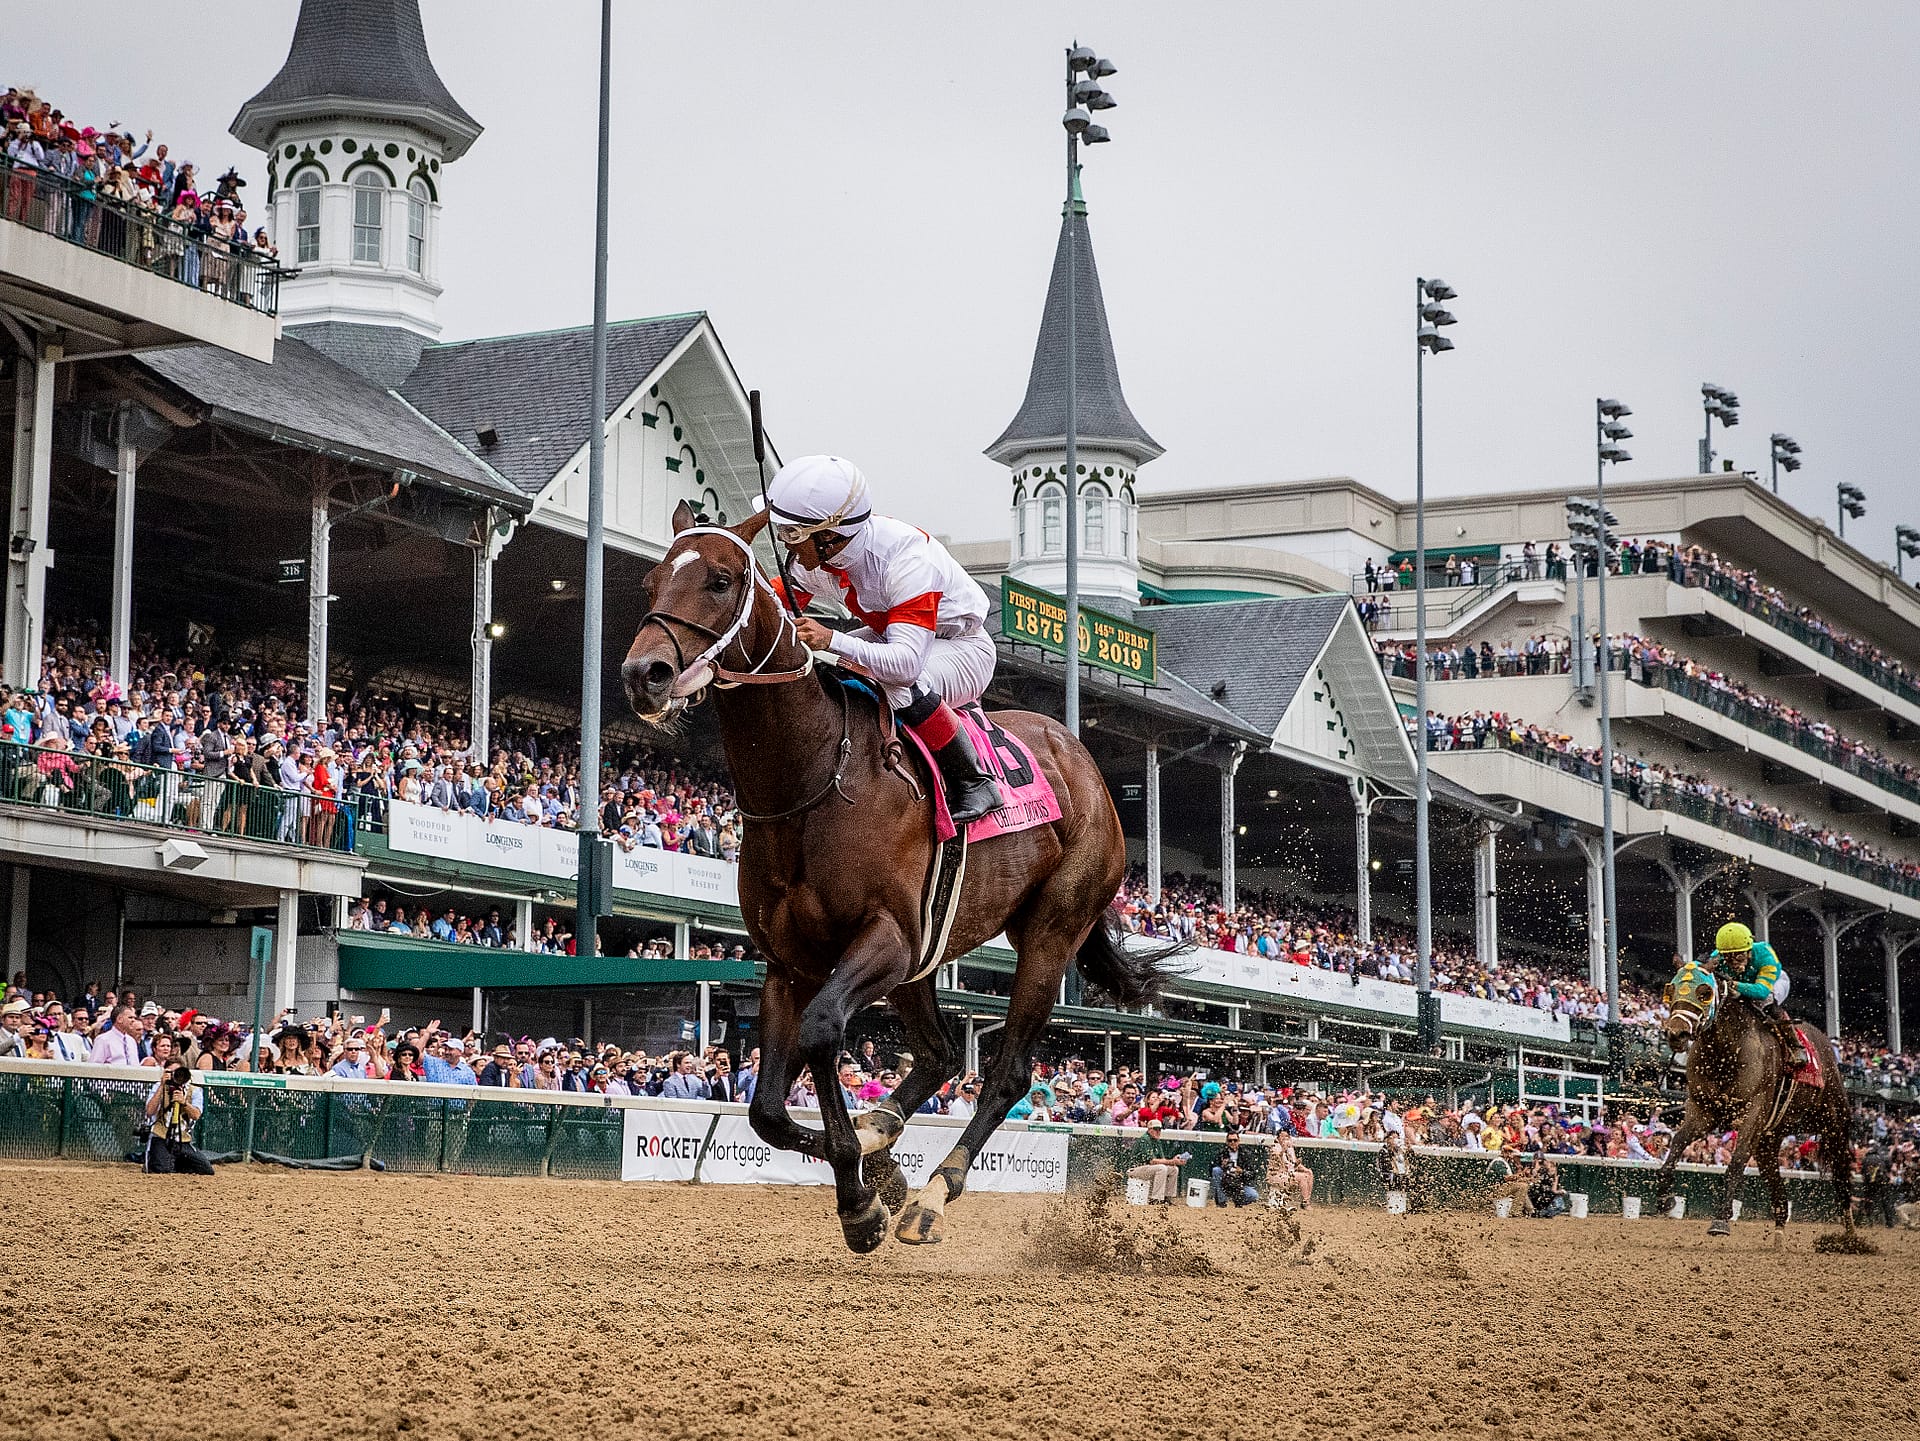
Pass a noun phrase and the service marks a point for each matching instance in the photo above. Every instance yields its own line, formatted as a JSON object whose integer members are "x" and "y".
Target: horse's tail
{"x": 1130, "y": 974}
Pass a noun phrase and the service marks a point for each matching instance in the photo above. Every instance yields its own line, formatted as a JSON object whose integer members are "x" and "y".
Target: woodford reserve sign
{"x": 1038, "y": 617}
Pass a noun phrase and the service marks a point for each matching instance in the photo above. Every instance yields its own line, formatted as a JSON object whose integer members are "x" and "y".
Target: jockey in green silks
{"x": 1753, "y": 969}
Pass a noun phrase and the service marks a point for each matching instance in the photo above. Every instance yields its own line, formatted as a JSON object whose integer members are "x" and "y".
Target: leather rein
{"x": 723, "y": 678}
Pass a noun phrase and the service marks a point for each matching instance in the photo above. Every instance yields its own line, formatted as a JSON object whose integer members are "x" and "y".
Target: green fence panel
{"x": 586, "y": 1145}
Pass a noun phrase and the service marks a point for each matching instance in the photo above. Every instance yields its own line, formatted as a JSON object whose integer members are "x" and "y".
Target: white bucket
{"x": 1396, "y": 1203}
{"x": 1197, "y": 1193}
{"x": 1629, "y": 1208}
{"x": 1502, "y": 1208}
{"x": 1138, "y": 1192}
{"x": 1678, "y": 1210}
{"x": 1577, "y": 1205}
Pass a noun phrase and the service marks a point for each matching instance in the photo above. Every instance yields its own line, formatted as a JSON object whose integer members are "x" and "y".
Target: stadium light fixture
{"x": 1722, "y": 405}
{"x": 1607, "y": 415}
{"x": 1853, "y": 502}
{"x": 1430, "y": 314}
{"x": 1786, "y": 456}
{"x": 1085, "y": 94}
{"x": 1906, "y": 544}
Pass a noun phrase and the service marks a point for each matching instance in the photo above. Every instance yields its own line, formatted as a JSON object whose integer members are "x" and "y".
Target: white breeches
{"x": 959, "y": 668}
{"x": 1781, "y": 987}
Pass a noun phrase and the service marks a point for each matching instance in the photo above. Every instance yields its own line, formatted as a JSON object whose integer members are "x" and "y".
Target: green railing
{"x": 1735, "y": 708}
{"x": 74, "y": 783}
{"x": 1720, "y": 817}
{"x": 229, "y": 269}
{"x": 88, "y": 1113}
{"x": 1788, "y": 623}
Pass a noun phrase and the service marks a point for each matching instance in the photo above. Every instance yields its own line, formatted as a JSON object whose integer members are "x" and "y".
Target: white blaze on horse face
{"x": 684, "y": 559}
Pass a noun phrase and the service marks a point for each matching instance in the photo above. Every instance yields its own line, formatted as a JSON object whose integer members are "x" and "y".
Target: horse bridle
{"x": 721, "y": 678}
{"x": 718, "y": 675}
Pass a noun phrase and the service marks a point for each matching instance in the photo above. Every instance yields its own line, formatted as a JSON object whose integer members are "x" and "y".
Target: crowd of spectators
{"x": 491, "y": 929}
{"x": 1690, "y": 565}
{"x": 192, "y": 733}
{"x": 1648, "y": 782}
{"x": 1287, "y": 932}
{"x": 102, "y": 188}
{"x": 1648, "y": 662}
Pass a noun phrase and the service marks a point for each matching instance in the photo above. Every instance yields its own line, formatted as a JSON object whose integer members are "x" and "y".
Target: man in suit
{"x": 686, "y": 1083}
{"x": 721, "y": 1085}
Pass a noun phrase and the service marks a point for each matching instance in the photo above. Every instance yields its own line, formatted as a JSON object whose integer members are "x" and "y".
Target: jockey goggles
{"x": 792, "y": 529}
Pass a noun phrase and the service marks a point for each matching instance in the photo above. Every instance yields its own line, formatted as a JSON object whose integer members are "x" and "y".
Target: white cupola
{"x": 356, "y": 127}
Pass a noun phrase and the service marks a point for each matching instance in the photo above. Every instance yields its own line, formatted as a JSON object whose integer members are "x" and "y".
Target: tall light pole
{"x": 1722, "y": 405}
{"x": 1085, "y": 71}
{"x": 1608, "y": 433}
{"x": 1429, "y": 315}
{"x": 1786, "y": 456}
{"x": 1853, "y": 502}
{"x": 588, "y": 899}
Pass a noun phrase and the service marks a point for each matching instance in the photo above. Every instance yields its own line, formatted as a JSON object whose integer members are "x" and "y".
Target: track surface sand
{"x": 264, "y": 1303}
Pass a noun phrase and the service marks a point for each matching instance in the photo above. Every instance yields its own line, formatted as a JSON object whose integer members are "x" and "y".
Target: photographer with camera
{"x": 173, "y": 1110}
{"x": 1233, "y": 1176}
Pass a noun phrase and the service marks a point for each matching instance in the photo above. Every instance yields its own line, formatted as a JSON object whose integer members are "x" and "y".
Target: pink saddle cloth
{"x": 1809, "y": 1074}
{"x": 1027, "y": 794}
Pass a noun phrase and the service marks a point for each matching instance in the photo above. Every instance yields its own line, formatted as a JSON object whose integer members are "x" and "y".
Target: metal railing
{"x": 1714, "y": 813}
{"x": 232, "y": 270}
{"x": 1876, "y": 772}
{"x": 1459, "y": 598}
{"x": 1784, "y": 620}
{"x": 73, "y": 783}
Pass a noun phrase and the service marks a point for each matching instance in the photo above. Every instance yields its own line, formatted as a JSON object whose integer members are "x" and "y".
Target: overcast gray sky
{"x": 1630, "y": 198}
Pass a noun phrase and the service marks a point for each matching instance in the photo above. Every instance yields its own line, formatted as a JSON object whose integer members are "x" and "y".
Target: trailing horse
{"x": 834, "y": 861}
{"x": 1737, "y": 1077}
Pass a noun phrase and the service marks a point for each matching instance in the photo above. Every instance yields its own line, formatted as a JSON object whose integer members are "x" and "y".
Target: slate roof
{"x": 536, "y": 389}
{"x": 384, "y": 354}
{"x": 306, "y": 399}
{"x": 365, "y": 50}
{"x": 1261, "y": 649}
{"x": 1102, "y": 414}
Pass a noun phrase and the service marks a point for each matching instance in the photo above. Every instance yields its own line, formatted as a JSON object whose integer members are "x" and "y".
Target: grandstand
{"x": 387, "y": 638}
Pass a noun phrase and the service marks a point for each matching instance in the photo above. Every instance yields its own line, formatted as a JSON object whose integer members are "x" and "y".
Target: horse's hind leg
{"x": 918, "y": 1008}
{"x": 1768, "y": 1159}
{"x": 1036, "y": 986}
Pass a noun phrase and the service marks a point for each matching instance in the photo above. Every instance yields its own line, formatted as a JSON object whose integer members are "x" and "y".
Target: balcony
{"x": 112, "y": 278}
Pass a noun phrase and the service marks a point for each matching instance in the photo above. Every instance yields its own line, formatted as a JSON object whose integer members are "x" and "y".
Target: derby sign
{"x": 1038, "y": 617}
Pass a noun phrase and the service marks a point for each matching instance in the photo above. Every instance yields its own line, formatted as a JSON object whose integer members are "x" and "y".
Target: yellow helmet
{"x": 1733, "y": 936}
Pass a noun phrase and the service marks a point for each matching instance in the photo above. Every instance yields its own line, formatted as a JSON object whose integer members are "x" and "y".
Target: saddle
{"x": 1029, "y": 801}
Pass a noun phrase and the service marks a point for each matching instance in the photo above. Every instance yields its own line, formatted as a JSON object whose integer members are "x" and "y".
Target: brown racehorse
{"x": 834, "y": 862}
{"x": 1734, "y": 1070}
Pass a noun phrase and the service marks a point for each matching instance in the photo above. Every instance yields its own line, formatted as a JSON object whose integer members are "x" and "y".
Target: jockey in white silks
{"x": 922, "y": 635}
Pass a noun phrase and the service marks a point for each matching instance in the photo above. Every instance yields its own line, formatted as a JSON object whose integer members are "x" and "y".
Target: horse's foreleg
{"x": 872, "y": 966}
{"x": 1746, "y": 1135}
{"x": 779, "y": 1044}
{"x": 934, "y": 1057}
{"x": 1693, "y": 1125}
{"x": 1036, "y": 985}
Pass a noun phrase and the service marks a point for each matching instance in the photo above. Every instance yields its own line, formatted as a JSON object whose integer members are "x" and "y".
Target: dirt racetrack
{"x": 263, "y": 1303}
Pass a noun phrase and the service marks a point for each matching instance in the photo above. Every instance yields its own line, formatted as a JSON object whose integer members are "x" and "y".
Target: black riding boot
{"x": 1783, "y": 1027}
{"x": 971, "y": 792}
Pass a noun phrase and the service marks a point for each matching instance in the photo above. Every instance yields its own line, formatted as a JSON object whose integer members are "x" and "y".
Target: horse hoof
{"x": 879, "y": 1128}
{"x": 1720, "y": 1227}
{"x": 919, "y": 1226}
{"x": 866, "y": 1231}
{"x": 889, "y": 1182}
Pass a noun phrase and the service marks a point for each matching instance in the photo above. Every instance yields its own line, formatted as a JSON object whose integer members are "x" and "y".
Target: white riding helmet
{"x": 818, "y": 493}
